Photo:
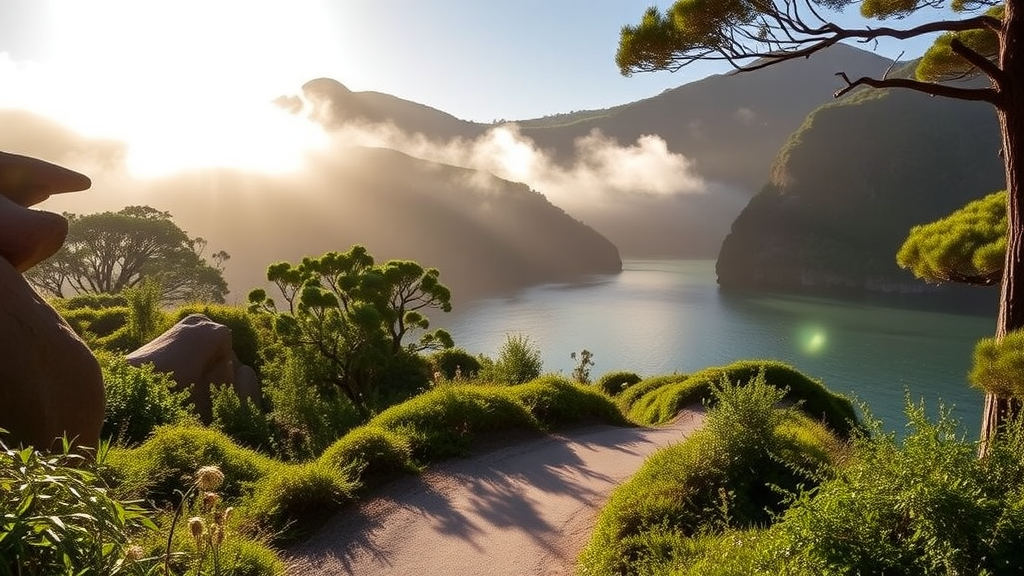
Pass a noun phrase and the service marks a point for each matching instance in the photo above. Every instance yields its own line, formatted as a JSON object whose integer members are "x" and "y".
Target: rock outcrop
{"x": 197, "y": 352}
{"x": 50, "y": 383}
{"x": 848, "y": 187}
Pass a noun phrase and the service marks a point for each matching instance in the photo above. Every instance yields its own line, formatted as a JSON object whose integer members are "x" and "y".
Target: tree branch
{"x": 978, "y": 61}
{"x": 989, "y": 95}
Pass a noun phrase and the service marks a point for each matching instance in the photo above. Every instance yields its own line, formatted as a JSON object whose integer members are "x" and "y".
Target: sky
{"x": 156, "y": 73}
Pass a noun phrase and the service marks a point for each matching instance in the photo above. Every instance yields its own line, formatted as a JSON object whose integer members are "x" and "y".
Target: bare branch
{"x": 989, "y": 95}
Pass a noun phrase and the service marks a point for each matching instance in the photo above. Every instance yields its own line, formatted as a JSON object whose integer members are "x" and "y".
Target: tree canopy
{"x": 352, "y": 316}
{"x": 108, "y": 252}
{"x": 968, "y": 246}
{"x": 752, "y": 34}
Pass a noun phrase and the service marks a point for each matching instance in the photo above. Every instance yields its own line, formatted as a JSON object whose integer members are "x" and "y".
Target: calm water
{"x": 660, "y": 317}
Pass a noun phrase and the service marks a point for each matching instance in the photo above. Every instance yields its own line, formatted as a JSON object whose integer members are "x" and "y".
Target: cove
{"x": 665, "y": 316}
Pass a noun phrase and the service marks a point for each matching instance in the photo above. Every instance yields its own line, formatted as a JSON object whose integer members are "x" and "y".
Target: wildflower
{"x": 208, "y": 478}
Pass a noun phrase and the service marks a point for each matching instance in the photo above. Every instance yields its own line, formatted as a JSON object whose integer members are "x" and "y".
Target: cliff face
{"x": 849, "y": 185}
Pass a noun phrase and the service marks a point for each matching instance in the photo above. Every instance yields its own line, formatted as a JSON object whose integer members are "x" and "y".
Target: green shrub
{"x": 240, "y": 419}
{"x": 732, "y": 474}
{"x": 145, "y": 318}
{"x": 246, "y": 339}
{"x": 444, "y": 422}
{"x": 398, "y": 378}
{"x": 633, "y": 394}
{"x": 304, "y": 421}
{"x": 377, "y": 454}
{"x": 518, "y": 362}
{"x": 453, "y": 363}
{"x": 121, "y": 341}
{"x": 555, "y": 402}
{"x": 92, "y": 322}
{"x": 298, "y": 498}
{"x": 163, "y": 464}
{"x": 658, "y": 403}
{"x": 58, "y": 518}
{"x": 138, "y": 399}
{"x": 614, "y": 383}
{"x": 95, "y": 301}
{"x": 921, "y": 505}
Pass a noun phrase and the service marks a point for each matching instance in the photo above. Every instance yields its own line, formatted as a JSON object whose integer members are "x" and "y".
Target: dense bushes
{"x": 921, "y": 505}
{"x": 455, "y": 364}
{"x": 924, "y": 504}
{"x": 138, "y": 399}
{"x": 288, "y": 499}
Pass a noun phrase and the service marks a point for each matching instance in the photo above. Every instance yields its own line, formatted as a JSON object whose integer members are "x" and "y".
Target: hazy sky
{"x": 160, "y": 72}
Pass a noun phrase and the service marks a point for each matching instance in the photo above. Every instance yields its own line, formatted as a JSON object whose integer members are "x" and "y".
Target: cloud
{"x": 600, "y": 168}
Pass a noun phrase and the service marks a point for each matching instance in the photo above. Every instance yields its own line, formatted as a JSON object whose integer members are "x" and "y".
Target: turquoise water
{"x": 660, "y": 317}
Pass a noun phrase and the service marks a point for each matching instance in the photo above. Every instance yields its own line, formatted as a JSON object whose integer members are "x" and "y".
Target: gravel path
{"x": 526, "y": 509}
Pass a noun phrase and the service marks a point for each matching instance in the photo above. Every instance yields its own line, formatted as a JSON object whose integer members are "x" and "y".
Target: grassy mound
{"x": 730, "y": 475}
{"x": 657, "y": 400}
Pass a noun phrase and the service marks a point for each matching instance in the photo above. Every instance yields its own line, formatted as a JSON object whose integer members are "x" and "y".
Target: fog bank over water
{"x": 665, "y": 316}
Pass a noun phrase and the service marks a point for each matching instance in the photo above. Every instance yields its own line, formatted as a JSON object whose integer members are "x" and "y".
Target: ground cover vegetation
{"x": 763, "y": 489}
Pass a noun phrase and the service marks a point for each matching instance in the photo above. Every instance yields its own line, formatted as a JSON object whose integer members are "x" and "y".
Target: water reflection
{"x": 659, "y": 317}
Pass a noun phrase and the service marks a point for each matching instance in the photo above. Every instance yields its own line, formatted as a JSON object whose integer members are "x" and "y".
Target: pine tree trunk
{"x": 1011, "y": 122}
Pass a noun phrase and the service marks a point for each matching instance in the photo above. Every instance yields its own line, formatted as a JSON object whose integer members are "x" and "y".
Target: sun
{"x": 184, "y": 84}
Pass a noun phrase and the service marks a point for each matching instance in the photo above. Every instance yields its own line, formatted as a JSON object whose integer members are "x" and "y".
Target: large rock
{"x": 50, "y": 383}
{"x": 197, "y": 352}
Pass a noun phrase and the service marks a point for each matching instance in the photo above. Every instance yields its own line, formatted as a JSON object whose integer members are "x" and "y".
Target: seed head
{"x": 196, "y": 526}
{"x": 134, "y": 553}
{"x": 216, "y": 534}
{"x": 208, "y": 478}
{"x": 210, "y": 499}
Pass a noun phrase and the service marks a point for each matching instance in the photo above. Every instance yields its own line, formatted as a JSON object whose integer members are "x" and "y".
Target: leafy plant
{"x": 518, "y": 362}
{"x": 241, "y": 419}
{"x": 138, "y": 399}
{"x": 58, "y": 518}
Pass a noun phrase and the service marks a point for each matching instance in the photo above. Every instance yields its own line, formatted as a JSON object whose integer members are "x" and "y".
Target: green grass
{"x": 729, "y": 475}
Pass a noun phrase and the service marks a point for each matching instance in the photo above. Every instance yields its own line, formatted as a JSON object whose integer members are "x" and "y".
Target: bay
{"x": 666, "y": 316}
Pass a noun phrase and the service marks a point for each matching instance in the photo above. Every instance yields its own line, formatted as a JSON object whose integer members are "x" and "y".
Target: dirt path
{"x": 527, "y": 509}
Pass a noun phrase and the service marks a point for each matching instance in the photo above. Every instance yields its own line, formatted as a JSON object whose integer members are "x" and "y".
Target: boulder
{"x": 197, "y": 352}
{"x": 50, "y": 383}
